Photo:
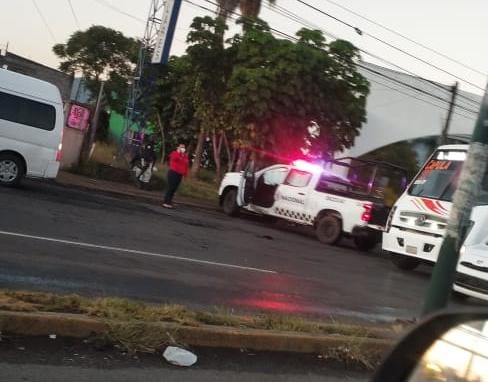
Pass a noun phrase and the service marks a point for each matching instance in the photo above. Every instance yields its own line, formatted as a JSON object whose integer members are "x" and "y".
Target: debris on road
{"x": 179, "y": 357}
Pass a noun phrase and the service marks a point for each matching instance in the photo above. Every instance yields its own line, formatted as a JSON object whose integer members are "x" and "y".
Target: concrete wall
{"x": 394, "y": 117}
{"x": 25, "y": 66}
{"x": 72, "y": 145}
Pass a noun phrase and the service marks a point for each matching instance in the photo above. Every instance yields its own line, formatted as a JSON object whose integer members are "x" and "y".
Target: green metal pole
{"x": 464, "y": 199}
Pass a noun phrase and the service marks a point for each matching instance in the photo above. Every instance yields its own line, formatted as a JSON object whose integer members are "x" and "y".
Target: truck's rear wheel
{"x": 405, "y": 263}
{"x": 229, "y": 203}
{"x": 329, "y": 229}
{"x": 365, "y": 243}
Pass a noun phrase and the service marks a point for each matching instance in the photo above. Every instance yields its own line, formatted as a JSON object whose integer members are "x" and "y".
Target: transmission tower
{"x": 135, "y": 113}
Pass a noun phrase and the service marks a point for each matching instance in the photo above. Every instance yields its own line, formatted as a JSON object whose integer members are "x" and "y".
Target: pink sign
{"x": 78, "y": 117}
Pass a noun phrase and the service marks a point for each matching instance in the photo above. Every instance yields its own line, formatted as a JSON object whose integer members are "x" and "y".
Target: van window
{"x": 27, "y": 112}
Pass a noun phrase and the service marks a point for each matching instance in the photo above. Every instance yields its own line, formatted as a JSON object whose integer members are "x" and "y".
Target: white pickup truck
{"x": 336, "y": 205}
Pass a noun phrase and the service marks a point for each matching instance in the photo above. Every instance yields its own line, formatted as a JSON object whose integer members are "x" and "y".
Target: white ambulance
{"x": 351, "y": 204}
{"x": 418, "y": 222}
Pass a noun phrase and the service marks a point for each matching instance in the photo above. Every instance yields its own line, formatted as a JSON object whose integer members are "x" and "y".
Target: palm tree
{"x": 249, "y": 8}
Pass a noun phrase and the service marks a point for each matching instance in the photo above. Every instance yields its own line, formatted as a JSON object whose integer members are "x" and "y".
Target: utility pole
{"x": 467, "y": 192}
{"x": 96, "y": 117}
{"x": 445, "y": 130}
{"x": 154, "y": 49}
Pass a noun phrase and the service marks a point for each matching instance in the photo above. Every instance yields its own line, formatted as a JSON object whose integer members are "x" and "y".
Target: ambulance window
{"x": 275, "y": 176}
{"x": 298, "y": 178}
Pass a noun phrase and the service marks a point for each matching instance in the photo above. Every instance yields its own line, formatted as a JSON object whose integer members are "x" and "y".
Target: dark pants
{"x": 174, "y": 180}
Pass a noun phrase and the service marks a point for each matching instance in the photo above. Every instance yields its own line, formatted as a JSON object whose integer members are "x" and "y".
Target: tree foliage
{"x": 274, "y": 95}
{"x": 280, "y": 89}
{"x": 96, "y": 51}
{"x": 248, "y": 8}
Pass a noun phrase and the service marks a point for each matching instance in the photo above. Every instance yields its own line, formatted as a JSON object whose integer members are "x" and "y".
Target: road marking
{"x": 134, "y": 251}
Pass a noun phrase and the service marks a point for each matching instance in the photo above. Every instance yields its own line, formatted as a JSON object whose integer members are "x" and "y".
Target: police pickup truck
{"x": 347, "y": 197}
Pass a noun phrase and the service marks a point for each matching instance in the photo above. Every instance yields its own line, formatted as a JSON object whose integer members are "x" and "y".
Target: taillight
{"x": 368, "y": 209}
{"x": 59, "y": 152}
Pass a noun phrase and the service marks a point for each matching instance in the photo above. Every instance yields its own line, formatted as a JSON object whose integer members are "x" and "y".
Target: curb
{"x": 80, "y": 326}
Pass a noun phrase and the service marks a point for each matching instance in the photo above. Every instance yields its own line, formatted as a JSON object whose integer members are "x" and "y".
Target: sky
{"x": 453, "y": 27}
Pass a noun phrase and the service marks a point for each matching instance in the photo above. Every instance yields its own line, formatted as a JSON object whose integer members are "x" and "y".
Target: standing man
{"x": 178, "y": 168}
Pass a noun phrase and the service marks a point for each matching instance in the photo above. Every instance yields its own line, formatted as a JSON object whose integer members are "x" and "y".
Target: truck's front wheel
{"x": 229, "y": 203}
{"x": 329, "y": 229}
{"x": 365, "y": 243}
{"x": 405, "y": 263}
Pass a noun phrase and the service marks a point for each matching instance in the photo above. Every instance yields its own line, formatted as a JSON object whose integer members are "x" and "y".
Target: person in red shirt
{"x": 178, "y": 168}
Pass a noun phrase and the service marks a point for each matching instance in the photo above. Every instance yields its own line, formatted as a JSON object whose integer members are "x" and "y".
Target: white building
{"x": 398, "y": 112}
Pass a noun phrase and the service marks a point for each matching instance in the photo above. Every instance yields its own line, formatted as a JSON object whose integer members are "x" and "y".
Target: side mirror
{"x": 446, "y": 347}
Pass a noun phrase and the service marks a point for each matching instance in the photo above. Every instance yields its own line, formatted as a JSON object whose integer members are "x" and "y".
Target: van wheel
{"x": 229, "y": 203}
{"x": 365, "y": 243}
{"x": 12, "y": 170}
{"x": 405, "y": 263}
{"x": 329, "y": 229}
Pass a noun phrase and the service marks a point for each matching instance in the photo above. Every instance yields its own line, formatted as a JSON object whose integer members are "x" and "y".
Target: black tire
{"x": 405, "y": 263}
{"x": 329, "y": 229}
{"x": 365, "y": 243}
{"x": 229, "y": 203}
{"x": 12, "y": 170}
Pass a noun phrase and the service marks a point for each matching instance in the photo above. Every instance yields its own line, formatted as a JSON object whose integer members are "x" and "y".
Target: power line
{"x": 407, "y": 38}
{"x": 419, "y": 99}
{"x": 118, "y": 10}
{"x": 361, "y": 32}
{"x": 46, "y": 24}
{"x": 412, "y": 87}
{"x": 198, "y": 6}
{"x": 74, "y": 14}
{"x": 392, "y": 79}
{"x": 293, "y": 16}
{"x": 298, "y": 19}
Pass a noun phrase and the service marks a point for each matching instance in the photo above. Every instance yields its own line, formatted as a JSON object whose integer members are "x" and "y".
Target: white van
{"x": 31, "y": 127}
{"x": 418, "y": 221}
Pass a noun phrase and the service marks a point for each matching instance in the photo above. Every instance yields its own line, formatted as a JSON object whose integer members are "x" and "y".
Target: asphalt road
{"x": 60, "y": 239}
{"x": 60, "y": 360}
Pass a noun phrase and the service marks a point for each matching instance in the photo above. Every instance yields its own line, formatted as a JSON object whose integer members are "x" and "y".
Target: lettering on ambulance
{"x": 435, "y": 206}
{"x": 438, "y": 165}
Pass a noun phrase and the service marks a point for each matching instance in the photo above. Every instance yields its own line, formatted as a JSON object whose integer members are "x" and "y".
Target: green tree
{"x": 280, "y": 91}
{"x": 172, "y": 104}
{"x": 212, "y": 64}
{"x": 96, "y": 51}
{"x": 274, "y": 95}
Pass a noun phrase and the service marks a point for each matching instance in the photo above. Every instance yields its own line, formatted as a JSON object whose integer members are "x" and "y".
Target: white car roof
{"x": 29, "y": 86}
